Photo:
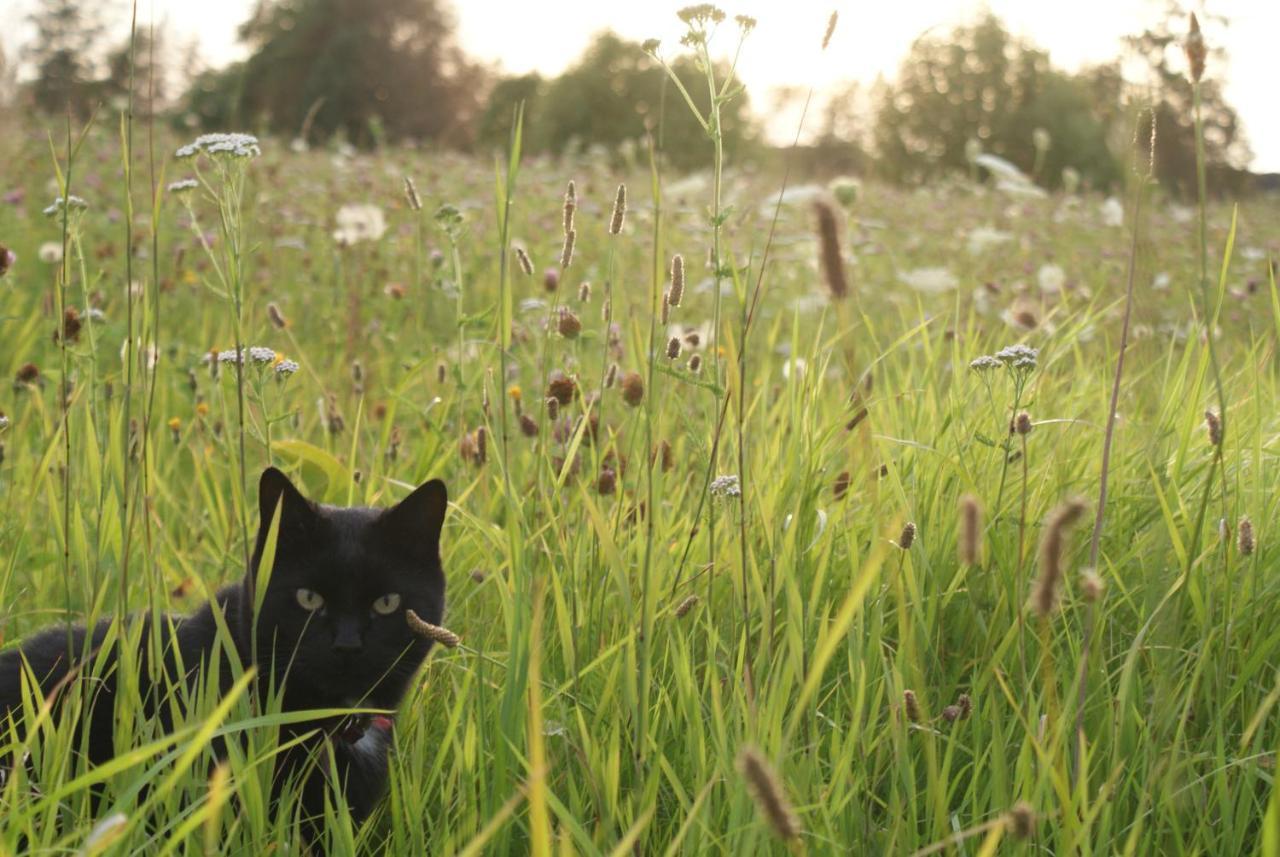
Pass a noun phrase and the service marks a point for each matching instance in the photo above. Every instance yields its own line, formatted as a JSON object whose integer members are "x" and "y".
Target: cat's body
{"x": 331, "y": 633}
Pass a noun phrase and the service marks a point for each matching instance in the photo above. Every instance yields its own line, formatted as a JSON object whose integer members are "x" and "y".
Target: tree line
{"x": 384, "y": 71}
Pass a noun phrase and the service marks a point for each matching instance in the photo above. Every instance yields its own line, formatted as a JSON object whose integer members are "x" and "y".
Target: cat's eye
{"x": 309, "y": 599}
{"x": 387, "y": 604}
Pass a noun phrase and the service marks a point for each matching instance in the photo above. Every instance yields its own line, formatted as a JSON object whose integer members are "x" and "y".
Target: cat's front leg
{"x": 359, "y": 755}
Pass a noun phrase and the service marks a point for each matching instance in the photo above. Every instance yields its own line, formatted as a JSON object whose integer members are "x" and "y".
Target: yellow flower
{"x": 175, "y": 424}
{"x": 514, "y": 392}
{"x": 202, "y": 409}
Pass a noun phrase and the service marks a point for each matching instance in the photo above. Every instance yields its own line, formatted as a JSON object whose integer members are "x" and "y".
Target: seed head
{"x": 830, "y": 259}
{"x": 831, "y": 28}
{"x": 528, "y": 427}
{"x": 607, "y": 483}
{"x": 665, "y": 312}
{"x": 619, "y": 211}
{"x": 1213, "y": 424}
{"x": 1052, "y": 547}
{"x": 411, "y": 194}
{"x": 553, "y": 408}
{"x": 911, "y": 705}
{"x": 951, "y": 713}
{"x": 278, "y": 321}
{"x": 611, "y": 375}
{"x": 965, "y": 703}
{"x": 566, "y": 252}
{"x": 1022, "y": 423}
{"x": 673, "y": 348}
{"x": 633, "y": 389}
{"x": 970, "y": 541}
{"x": 526, "y": 264}
{"x": 683, "y": 608}
{"x": 427, "y": 631}
{"x": 1091, "y": 586}
{"x": 584, "y": 293}
{"x": 550, "y": 280}
{"x": 676, "y": 293}
{"x": 908, "y": 536}
{"x": 767, "y": 791}
{"x": 1244, "y": 536}
{"x": 1195, "y": 49}
{"x": 561, "y": 387}
{"x": 570, "y": 206}
{"x": 1022, "y": 820}
{"x": 570, "y": 325}
{"x": 695, "y": 363}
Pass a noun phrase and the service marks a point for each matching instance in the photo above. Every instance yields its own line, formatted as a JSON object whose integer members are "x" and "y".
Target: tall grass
{"x": 595, "y": 708}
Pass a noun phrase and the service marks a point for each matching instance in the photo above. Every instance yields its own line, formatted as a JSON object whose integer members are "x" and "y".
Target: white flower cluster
{"x": 358, "y": 223}
{"x": 285, "y": 368}
{"x": 183, "y": 186}
{"x": 985, "y": 363}
{"x": 4, "y": 422}
{"x": 1018, "y": 356}
{"x": 726, "y": 486}
{"x": 72, "y": 202}
{"x": 232, "y": 145}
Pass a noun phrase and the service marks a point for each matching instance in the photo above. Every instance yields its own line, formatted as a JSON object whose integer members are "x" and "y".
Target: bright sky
{"x": 871, "y": 39}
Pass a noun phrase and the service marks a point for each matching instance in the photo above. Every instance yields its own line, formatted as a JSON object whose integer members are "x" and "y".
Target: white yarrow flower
{"x": 930, "y": 280}
{"x": 726, "y": 486}
{"x": 358, "y": 222}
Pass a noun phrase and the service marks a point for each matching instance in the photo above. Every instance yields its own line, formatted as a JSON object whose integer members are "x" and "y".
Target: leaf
{"x": 315, "y": 466}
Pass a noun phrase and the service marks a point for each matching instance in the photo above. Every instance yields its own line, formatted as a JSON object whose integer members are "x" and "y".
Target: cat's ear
{"x": 415, "y": 522}
{"x": 275, "y": 489}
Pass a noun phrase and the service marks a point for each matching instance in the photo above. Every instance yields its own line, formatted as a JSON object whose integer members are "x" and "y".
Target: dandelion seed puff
{"x": 970, "y": 530}
{"x": 767, "y": 792}
{"x": 619, "y": 211}
{"x": 830, "y": 258}
{"x": 356, "y": 223}
{"x": 1052, "y": 548}
{"x": 427, "y": 631}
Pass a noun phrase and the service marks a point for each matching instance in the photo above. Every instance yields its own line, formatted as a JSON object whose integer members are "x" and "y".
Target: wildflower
{"x": 632, "y": 389}
{"x": 965, "y": 703}
{"x": 73, "y": 204}
{"x": 175, "y": 428}
{"x": 768, "y": 794}
{"x": 8, "y": 259}
{"x": 650, "y": 46}
{"x": 607, "y": 483}
{"x": 71, "y": 326}
{"x": 951, "y": 713}
{"x": 676, "y": 293}
{"x": 929, "y": 280}
{"x": 285, "y": 368}
{"x": 831, "y": 260}
{"x": 411, "y": 194}
{"x": 1018, "y": 357}
{"x": 1112, "y": 212}
{"x": 427, "y": 631}
{"x": 846, "y": 190}
{"x": 550, "y": 277}
{"x": 908, "y": 536}
{"x": 28, "y": 373}
{"x": 570, "y": 325}
{"x": 182, "y": 186}
{"x": 1244, "y": 539}
{"x": 1052, "y": 547}
{"x": 1051, "y": 279}
{"x": 619, "y": 211}
{"x": 1041, "y": 140}
{"x": 561, "y": 387}
{"x": 745, "y": 22}
{"x": 50, "y": 252}
{"x": 232, "y": 145}
{"x": 359, "y": 222}
{"x": 261, "y": 354}
{"x": 726, "y": 486}
{"x": 330, "y": 416}
{"x": 1022, "y": 424}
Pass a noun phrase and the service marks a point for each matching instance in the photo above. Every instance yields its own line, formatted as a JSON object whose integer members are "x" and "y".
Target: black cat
{"x": 331, "y": 633}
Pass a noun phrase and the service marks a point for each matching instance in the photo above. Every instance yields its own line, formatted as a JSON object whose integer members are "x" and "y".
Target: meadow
{"x": 779, "y": 568}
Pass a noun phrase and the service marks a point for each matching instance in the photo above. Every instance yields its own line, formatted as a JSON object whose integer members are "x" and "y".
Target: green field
{"x": 629, "y": 632}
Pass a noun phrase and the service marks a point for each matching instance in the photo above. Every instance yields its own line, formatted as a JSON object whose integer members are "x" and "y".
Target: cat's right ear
{"x": 275, "y": 489}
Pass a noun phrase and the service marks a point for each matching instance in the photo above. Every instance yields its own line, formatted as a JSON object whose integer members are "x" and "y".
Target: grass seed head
{"x": 1213, "y": 425}
{"x": 553, "y": 408}
{"x": 1052, "y": 548}
{"x": 673, "y": 348}
{"x": 830, "y": 258}
{"x": 411, "y": 194}
{"x": 277, "y": 319}
{"x": 570, "y": 206}
{"x": 831, "y": 28}
{"x": 633, "y": 389}
{"x": 427, "y": 631}
{"x": 1022, "y": 820}
{"x": 683, "y": 608}
{"x": 695, "y": 363}
{"x": 526, "y": 264}
{"x": 619, "y": 211}
{"x": 908, "y": 536}
{"x": 1195, "y": 48}
{"x": 1091, "y": 586}
{"x": 584, "y": 292}
{"x": 676, "y": 293}
{"x": 970, "y": 542}
{"x": 767, "y": 792}
{"x": 528, "y": 426}
{"x": 911, "y": 706}
{"x": 1244, "y": 536}
{"x": 566, "y": 252}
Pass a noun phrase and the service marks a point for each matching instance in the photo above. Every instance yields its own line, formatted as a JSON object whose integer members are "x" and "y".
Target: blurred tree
{"x": 980, "y": 83}
{"x": 374, "y": 67}
{"x": 148, "y": 72}
{"x": 61, "y": 54}
{"x": 612, "y": 94}
{"x": 1160, "y": 50}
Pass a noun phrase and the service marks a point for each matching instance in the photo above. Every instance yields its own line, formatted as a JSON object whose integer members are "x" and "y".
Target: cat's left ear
{"x": 416, "y": 521}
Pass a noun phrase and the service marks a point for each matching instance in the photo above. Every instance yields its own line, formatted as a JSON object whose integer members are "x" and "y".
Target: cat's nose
{"x": 346, "y": 636}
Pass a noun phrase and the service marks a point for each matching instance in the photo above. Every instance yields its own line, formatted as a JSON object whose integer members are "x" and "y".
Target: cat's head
{"x": 332, "y": 625}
